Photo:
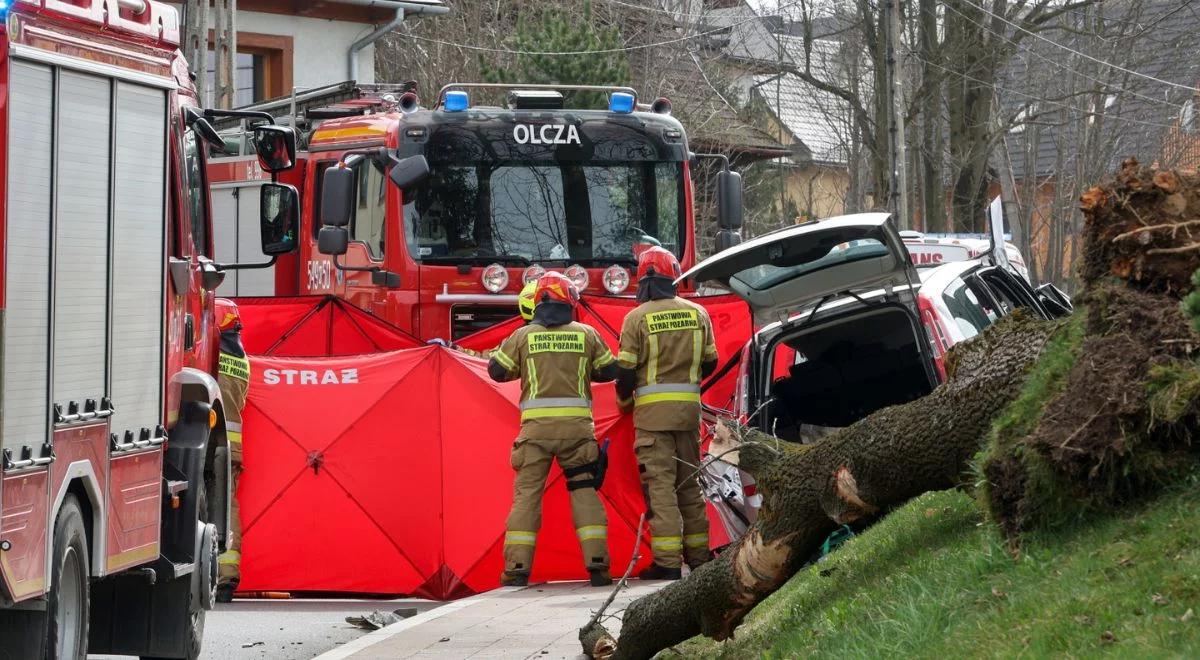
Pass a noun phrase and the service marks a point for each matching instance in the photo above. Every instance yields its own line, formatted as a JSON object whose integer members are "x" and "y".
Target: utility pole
{"x": 895, "y": 95}
{"x": 195, "y": 39}
{"x": 225, "y": 49}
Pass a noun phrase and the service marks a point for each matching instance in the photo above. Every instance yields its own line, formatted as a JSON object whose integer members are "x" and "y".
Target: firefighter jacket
{"x": 232, "y": 362}
{"x": 556, "y": 365}
{"x": 666, "y": 348}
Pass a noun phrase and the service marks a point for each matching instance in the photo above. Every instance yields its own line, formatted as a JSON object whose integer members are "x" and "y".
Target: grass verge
{"x": 932, "y": 580}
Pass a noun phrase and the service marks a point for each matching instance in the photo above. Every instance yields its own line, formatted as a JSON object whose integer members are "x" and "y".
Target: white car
{"x": 846, "y": 324}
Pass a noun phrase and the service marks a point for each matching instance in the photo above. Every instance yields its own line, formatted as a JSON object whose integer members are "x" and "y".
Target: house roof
{"x": 817, "y": 119}
{"x": 337, "y": 10}
{"x": 1137, "y": 114}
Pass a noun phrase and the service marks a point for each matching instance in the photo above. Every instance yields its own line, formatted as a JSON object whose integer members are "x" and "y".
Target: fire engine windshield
{"x": 554, "y": 211}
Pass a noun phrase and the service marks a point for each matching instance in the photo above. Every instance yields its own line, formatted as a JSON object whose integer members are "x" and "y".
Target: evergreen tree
{"x": 558, "y": 30}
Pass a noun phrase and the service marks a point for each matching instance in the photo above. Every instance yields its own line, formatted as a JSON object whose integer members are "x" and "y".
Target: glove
{"x": 625, "y": 406}
{"x": 438, "y": 341}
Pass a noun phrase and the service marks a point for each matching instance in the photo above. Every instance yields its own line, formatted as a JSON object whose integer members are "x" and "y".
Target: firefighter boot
{"x": 655, "y": 452}
{"x": 657, "y": 572}
{"x": 532, "y": 464}
{"x": 599, "y": 577}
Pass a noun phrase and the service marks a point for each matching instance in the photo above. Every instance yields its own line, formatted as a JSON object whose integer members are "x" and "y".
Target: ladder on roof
{"x": 303, "y": 107}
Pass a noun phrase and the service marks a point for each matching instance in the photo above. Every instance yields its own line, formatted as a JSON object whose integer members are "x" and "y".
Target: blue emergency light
{"x": 620, "y": 102}
{"x": 456, "y": 101}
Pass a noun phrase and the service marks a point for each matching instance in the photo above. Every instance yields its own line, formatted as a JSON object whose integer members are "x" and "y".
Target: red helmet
{"x": 658, "y": 261}
{"x": 555, "y": 286}
{"x": 227, "y": 314}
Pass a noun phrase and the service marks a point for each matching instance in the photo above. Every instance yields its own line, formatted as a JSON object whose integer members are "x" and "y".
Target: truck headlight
{"x": 616, "y": 279}
{"x": 532, "y": 274}
{"x": 578, "y": 276}
{"x": 495, "y": 278}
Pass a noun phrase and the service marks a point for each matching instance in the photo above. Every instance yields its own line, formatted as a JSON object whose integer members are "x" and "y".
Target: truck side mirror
{"x": 332, "y": 240}
{"x": 408, "y": 171}
{"x": 275, "y": 146}
{"x": 337, "y": 196}
{"x": 729, "y": 200}
{"x": 727, "y": 238}
{"x": 278, "y": 217}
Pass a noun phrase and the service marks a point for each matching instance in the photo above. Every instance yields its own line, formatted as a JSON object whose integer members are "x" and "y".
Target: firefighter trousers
{"x": 531, "y": 458}
{"x": 667, "y": 462}
{"x": 233, "y": 395}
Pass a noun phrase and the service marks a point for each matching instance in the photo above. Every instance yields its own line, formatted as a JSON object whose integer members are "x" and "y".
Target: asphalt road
{"x": 296, "y": 629}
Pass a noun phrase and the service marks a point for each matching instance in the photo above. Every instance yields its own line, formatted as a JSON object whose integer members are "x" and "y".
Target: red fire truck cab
{"x": 439, "y": 216}
{"x": 113, "y": 478}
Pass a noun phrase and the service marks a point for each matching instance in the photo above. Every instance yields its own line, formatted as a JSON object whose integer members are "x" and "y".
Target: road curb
{"x": 370, "y": 639}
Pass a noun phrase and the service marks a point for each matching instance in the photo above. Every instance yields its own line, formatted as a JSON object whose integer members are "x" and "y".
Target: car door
{"x": 813, "y": 263}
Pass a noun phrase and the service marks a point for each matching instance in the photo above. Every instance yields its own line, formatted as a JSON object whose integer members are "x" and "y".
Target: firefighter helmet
{"x": 658, "y": 261}
{"x": 227, "y": 314}
{"x": 555, "y": 287}
{"x": 526, "y": 300}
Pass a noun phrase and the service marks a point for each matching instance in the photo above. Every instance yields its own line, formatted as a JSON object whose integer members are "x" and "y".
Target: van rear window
{"x": 765, "y": 276}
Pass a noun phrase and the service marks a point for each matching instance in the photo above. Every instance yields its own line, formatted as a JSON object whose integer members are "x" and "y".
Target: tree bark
{"x": 879, "y": 462}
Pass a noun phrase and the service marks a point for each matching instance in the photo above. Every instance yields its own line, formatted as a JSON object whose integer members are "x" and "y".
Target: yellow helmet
{"x": 526, "y": 300}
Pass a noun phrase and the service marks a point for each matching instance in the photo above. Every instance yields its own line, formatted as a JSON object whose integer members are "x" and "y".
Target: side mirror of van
{"x": 337, "y": 196}
{"x": 278, "y": 217}
{"x": 332, "y": 240}
{"x": 275, "y": 146}
{"x": 729, "y": 200}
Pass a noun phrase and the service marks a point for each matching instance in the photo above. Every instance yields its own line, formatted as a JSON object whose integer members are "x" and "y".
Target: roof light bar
{"x": 621, "y": 102}
{"x": 457, "y": 101}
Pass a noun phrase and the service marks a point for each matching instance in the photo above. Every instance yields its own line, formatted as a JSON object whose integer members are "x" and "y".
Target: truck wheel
{"x": 67, "y": 602}
{"x": 202, "y": 589}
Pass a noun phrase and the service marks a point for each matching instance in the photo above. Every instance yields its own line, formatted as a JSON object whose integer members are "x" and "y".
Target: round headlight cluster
{"x": 495, "y": 278}
{"x": 616, "y": 279}
{"x": 578, "y": 276}
{"x": 532, "y": 274}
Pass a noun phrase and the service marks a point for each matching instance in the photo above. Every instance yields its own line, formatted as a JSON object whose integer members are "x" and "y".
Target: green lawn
{"x": 933, "y": 580}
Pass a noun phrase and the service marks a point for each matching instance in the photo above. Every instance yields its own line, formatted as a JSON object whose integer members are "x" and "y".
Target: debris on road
{"x": 376, "y": 620}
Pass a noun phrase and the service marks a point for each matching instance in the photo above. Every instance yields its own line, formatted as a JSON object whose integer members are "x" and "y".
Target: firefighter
{"x": 525, "y": 305}
{"x": 556, "y": 358}
{"x": 233, "y": 377}
{"x": 666, "y": 348}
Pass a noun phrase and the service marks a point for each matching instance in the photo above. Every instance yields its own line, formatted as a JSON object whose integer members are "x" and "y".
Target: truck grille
{"x": 467, "y": 319}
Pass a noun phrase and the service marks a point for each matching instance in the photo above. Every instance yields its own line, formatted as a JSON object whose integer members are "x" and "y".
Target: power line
{"x": 1083, "y": 55}
{"x": 1076, "y": 111}
{"x": 602, "y": 51}
{"x": 1065, "y": 67}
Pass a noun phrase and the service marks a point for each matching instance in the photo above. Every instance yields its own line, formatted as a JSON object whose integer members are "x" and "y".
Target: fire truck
{"x": 434, "y": 218}
{"x": 113, "y": 475}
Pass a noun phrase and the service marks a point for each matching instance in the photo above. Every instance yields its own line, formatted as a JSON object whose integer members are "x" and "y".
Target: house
{"x": 283, "y": 45}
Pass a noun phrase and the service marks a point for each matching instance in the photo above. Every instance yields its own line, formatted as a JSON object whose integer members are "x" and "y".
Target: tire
{"x": 194, "y": 629}
{"x": 67, "y": 603}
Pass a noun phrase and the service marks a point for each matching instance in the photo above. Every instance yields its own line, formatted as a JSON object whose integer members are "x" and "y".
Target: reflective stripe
{"x": 229, "y": 558}
{"x": 696, "y": 540}
{"x": 626, "y": 356}
{"x": 592, "y": 532}
{"x": 666, "y": 542}
{"x": 667, "y": 387}
{"x": 666, "y": 392}
{"x": 233, "y": 426}
{"x": 505, "y": 361}
{"x": 583, "y": 376}
{"x": 697, "y": 347}
{"x": 234, "y": 437}
{"x": 531, "y": 371}
{"x": 606, "y": 358}
{"x": 556, "y": 402}
{"x": 556, "y": 412}
{"x": 652, "y": 361}
{"x": 520, "y": 538}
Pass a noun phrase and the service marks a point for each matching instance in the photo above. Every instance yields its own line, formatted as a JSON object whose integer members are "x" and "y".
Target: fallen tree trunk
{"x": 808, "y": 490}
{"x": 1084, "y": 434}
